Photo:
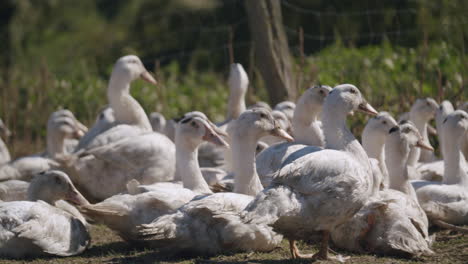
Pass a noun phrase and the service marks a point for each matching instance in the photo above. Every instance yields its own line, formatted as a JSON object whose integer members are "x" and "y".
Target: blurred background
{"x": 59, "y": 53}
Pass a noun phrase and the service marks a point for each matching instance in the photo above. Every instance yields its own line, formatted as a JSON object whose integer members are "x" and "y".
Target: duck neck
{"x": 236, "y": 104}
{"x": 421, "y": 125}
{"x": 55, "y": 144}
{"x": 397, "y": 162}
{"x": 306, "y": 129}
{"x": 188, "y": 169}
{"x": 37, "y": 192}
{"x": 339, "y": 137}
{"x": 126, "y": 109}
{"x": 374, "y": 145}
{"x": 304, "y": 114}
{"x": 454, "y": 162}
{"x": 246, "y": 180}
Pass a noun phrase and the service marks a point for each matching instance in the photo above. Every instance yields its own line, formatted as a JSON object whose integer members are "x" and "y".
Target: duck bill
{"x": 367, "y": 108}
{"x": 281, "y": 133}
{"x": 78, "y": 134}
{"x": 82, "y": 127}
{"x": 148, "y": 78}
{"x": 213, "y": 137}
{"x": 424, "y": 145}
{"x": 76, "y": 198}
{"x": 218, "y": 130}
{"x": 431, "y": 130}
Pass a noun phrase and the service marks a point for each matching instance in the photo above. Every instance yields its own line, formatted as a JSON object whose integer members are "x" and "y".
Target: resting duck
{"x": 130, "y": 118}
{"x": 124, "y": 212}
{"x": 210, "y": 224}
{"x": 59, "y": 128}
{"x": 129, "y": 149}
{"x": 392, "y": 222}
{"x": 44, "y": 225}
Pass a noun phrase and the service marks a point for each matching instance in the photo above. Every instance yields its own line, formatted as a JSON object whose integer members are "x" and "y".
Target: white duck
{"x": 59, "y": 128}
{"x": 211, "y": 175}
{"x": 422, "y": 111}
{"x": 4, "y": 153}
{"x": 323, "y": 189}
{"x": 210, "y": 224}
{"x": 130, "y": 149}
{"x": 373, "y": 141}
{"x": 448, "y": 201}
{"x": 283, "y": 121}
{"x": 434, "y": 171}
{"x": 306, "y": 130}
{"x": 306, "y": 119}
{"x": 70, "y": 143}
{"x": 104, "y": 121}
{"x": 444, "y": 110}
{"x": 44, "y": 225}
{"x": 124, "y": 212}
{"x": 104, "y": 171}
{"x": 392, "y": 222}
{"x": 238, "y": 82}
{"x": 287, "y": 107}
{"x": 130, "y": 118}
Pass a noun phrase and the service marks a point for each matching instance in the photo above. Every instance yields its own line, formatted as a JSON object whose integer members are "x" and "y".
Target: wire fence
{"x": 319, "y": 39}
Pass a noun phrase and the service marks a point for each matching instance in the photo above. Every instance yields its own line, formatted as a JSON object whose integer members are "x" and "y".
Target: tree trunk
{"x": 271, "y": 48}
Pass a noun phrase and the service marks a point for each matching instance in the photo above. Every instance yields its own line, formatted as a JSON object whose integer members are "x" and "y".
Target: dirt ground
{"x": 450, "y": 247}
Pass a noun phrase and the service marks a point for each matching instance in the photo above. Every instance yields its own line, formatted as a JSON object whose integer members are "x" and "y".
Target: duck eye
{"x": 428, "y": 104}
{"x": 352, "y": 91}
{"x": 384, "y": 122}
{"x": 321, "y": 92}
{"x": 194, "y": 124}
{"x": 262, "y": 115}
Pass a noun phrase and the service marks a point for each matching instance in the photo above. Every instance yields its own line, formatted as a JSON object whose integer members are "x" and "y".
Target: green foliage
{"x": 391, "y": 78}
{"x": 60, "y": 53}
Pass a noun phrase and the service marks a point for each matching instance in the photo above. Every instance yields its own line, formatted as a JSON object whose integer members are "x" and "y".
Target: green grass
{"x": 107, "y": 247}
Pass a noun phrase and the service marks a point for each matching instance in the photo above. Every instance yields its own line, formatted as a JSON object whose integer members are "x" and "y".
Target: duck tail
{"x": 97, "y": 211}
{"x": 162, "y": 230}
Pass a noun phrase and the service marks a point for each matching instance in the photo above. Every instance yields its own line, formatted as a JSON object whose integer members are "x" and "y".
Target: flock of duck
{"x": 189, "y": 185}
